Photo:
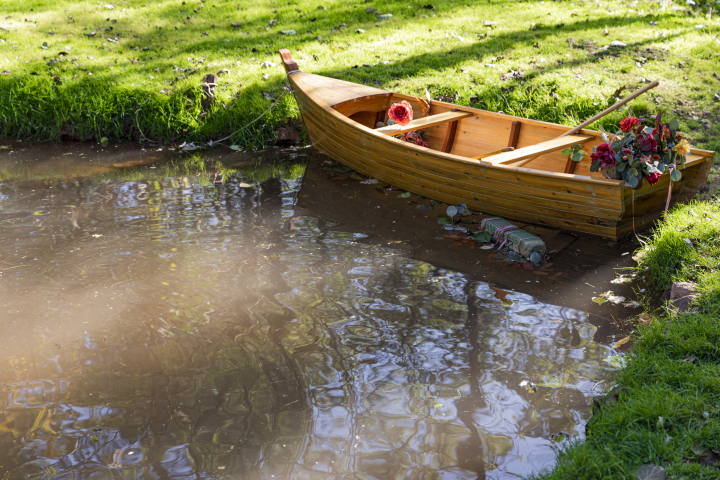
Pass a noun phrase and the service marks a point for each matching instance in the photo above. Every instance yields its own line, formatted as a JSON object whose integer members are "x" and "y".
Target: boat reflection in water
{"x": 167, "y": 326}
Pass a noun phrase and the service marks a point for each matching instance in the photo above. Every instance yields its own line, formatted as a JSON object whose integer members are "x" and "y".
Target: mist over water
{"x": 182, "y": 325}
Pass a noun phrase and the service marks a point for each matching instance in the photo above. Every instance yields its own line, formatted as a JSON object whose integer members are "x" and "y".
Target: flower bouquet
{"x": 638, "y": 152}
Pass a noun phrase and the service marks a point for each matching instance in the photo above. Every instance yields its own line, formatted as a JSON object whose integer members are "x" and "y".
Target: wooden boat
{"x": 533, "y": 183}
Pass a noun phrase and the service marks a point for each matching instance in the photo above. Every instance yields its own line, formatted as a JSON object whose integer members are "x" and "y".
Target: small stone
{"x": 224, "y": 71}
{"x": 682, "y": 289}
{"x": 683, "y": 304}
{"x": 287, "y": 135}
{"x": 385, "y": 16}
{"x": 268, "y": 64}
{"x": 617, "y": 44}
{"x": 687, "y": 241}
{"x": 288, "y": 32}
{"x": 717, "y": 97}
{"x": 265, "y": 76}
{"x": 359, "y": 30}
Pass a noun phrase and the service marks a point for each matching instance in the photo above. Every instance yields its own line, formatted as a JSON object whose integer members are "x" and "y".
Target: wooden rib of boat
{"x": 468, "y": 159}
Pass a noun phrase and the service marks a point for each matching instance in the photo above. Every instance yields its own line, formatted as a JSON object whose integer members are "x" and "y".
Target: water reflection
{"x": 176, "y": 326}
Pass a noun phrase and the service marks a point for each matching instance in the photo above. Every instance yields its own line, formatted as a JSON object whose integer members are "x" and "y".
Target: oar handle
{"x": 611, "y": 109}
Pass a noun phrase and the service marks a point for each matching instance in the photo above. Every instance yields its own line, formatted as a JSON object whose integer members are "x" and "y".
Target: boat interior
{"x": 495, "y": 138}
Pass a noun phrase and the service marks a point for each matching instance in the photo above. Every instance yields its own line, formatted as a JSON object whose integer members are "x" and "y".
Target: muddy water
{"x": 185, "y": 322}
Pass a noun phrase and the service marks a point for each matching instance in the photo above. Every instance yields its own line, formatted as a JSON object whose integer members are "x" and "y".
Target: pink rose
{"x": 653, "y": 178}
{"x": 628, "y": 123}
{"x": 604, "y": 153}
{"x": 401, "y": 113}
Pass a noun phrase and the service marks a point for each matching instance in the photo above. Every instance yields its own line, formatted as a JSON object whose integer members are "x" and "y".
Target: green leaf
{"x": 605, "y": 137}
{"x": 661, "y": 167}
{"x": 235, "y": 147}
{"x": 44, "y": 46}
{"x": 621, "y": 167}
{"x": 566, "y": 151}
{"x": 404, "y": 195}
{"x": 483, "y": 237}
{"x": 634, "y": 171}
{"x": 674, "y": 124}
{"x": 633, "y": 182}
{"x": 675, "y": 174}
{"x": 578, "y": 156}
{"x": 595, "y": 166}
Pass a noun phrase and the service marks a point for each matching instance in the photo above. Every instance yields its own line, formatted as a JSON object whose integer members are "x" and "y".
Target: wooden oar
{"x": 602, "y": 114}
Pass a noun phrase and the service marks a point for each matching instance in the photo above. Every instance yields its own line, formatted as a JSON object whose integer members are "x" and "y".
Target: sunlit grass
{"x": 156, "y": 53}
{"x": 670, "y": 413}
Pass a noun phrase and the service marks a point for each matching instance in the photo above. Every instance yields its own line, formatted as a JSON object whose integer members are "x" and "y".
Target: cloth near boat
{"x": 507, "y": 235}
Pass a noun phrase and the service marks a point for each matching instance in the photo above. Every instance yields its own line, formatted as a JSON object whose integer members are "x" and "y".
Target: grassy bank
{"x": 668, "y": 409}
{"x": 91, "y": 69}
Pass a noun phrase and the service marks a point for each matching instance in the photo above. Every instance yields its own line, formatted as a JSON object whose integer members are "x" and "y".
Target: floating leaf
{"x": 451, "y": 211}
{"x": 235, "y": 147}
{"x": 404, "y": 195}
{"x": 426, "y": 207}
{"x": 617, "y": 361}
{"x": 621, "y": 342}
{"x": 552, "y": 382}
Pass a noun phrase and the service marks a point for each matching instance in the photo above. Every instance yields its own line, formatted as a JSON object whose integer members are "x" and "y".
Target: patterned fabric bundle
{"x": 507, "y": 235}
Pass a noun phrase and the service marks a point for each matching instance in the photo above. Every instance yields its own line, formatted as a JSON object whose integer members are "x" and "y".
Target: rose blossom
{"x": 401, "y": 113}
{"x": 647, "y": 142}
{"x": 653, "y": 178}
{"x": 604, "y": 153}
{"x": 628, "y": 123}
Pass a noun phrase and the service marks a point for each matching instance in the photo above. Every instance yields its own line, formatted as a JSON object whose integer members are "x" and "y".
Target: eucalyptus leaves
{"x": 638, "y": 152}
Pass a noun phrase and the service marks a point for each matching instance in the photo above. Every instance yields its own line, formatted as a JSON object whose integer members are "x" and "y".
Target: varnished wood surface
{"x": 540, "y": 193}
{"x": 423, "y": 122}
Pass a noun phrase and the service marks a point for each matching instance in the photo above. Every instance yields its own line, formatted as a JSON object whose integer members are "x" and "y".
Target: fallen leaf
{"x": 650, "y": 472}
{"x": 499, "y": 293}
{"x": 404, "y": 195}
{"x": 621, "y": 342}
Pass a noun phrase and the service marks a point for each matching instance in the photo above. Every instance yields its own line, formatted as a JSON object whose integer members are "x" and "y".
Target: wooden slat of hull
{"x": 473, "y": 169}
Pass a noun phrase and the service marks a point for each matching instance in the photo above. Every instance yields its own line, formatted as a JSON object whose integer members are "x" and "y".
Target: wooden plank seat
{"x": 422, "y": 123}
{"x": 538, "y": 149}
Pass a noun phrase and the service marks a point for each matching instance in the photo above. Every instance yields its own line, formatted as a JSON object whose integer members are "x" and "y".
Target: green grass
{"x": 670, "y": 413}
{"x": 161, "y": 50}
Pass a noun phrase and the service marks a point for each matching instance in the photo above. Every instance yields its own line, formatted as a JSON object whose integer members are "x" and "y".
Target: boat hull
{"x": 574, "y": 203}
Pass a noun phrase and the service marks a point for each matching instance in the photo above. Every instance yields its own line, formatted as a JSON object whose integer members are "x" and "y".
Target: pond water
{"x": 179, "y": 322}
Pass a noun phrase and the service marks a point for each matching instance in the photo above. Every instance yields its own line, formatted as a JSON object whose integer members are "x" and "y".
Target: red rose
{"x": 401, "y": 113}
{"x": 604, "y": 153}
{"x": 628, "y": 123}
{"x": 647, "y": 142}
{"x": 653, "y": 178}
